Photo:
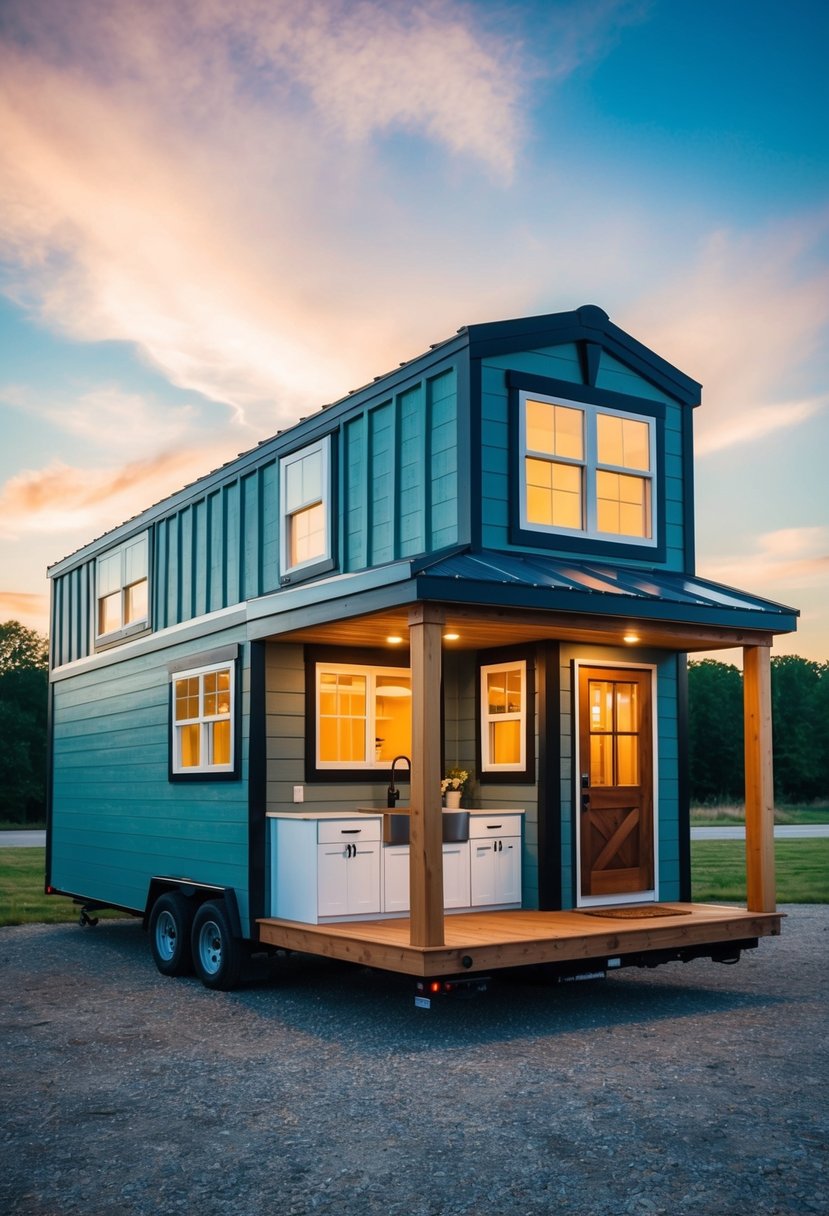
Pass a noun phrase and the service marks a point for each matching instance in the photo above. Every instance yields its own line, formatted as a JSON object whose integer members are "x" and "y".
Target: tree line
{"x": 800, "y": 730}
{"x": 800, "y": 725}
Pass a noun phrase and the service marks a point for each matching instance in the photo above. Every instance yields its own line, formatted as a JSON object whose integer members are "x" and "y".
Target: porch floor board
{"x": 494, "y": 940}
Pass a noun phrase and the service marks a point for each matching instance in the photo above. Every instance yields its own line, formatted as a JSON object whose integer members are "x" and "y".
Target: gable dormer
{"x": 585, "y": 442}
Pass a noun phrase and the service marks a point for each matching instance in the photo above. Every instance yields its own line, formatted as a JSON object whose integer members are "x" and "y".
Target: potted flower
{"x": 453, "y": 785}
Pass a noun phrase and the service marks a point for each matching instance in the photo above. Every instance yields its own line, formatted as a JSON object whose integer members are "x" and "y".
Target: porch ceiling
{"x": 484, "y": 627}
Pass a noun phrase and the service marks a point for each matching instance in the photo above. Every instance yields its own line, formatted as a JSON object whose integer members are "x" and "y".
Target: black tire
{"x": 217, "y": 954}
{"x": 171, "y": 922}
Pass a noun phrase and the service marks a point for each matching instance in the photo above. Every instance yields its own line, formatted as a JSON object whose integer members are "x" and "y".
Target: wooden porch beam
{"x": 759, "y": 780}
{"x": 425, "y": 823}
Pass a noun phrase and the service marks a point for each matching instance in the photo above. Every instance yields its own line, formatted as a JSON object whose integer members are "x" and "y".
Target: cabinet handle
{"x": 350, "y": 831}
{"x": 493, "y": 827}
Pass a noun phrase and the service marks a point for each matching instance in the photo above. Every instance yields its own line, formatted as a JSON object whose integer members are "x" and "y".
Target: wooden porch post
{"x": 759, "y": 783}
{"x": 426, "y": 831}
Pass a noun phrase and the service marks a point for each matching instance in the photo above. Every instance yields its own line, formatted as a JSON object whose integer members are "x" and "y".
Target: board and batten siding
{"x": 666, "y": 791}
{"x": 562, "y": 363}
{"x": 400, "y": 471}
{"x": 117, "y": 819}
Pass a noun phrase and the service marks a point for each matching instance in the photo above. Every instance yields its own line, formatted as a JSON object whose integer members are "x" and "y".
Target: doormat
{"x": 634, "y": 912}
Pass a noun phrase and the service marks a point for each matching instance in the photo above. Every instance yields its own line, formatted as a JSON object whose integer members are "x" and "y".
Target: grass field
{"x": 728, "y": 814}
{"x": 718, "y": 874}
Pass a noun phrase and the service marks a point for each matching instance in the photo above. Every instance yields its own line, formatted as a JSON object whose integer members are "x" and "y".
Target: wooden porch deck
{"x": 486, "y": 941}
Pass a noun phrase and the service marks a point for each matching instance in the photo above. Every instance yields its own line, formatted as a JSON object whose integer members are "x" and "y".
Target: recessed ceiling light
{"x": 451, "y": 637}
{"x": 394, "y": 640}
{"x": 631, "y": 638}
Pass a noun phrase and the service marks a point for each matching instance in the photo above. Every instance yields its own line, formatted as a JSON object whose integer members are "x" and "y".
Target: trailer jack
{"x": 85, "y": 920}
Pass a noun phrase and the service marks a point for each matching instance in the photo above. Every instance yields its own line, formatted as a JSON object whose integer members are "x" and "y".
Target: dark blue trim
{"x": 548, "y": 684}
{"x": 684, "y": 778}
{"x": 470, "y": 481}
{"x": 257, "y": 782}
{"x": 688, "y": 493}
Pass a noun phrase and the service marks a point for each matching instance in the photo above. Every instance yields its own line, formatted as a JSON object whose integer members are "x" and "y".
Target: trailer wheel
{"x": 171, "y": 921}
{"x": 217, "y": 955}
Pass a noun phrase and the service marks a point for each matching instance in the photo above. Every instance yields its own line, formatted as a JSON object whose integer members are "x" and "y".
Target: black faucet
{"x": 393, "y": 793}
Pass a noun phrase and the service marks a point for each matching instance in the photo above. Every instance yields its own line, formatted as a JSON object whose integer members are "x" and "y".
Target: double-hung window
{"x": 305, "y": 509}
{"x": 122, "y": 604}
{"x": 203, "y": 720}
{"x": 586, "y": 470}
{"x": 363, "y": 715}
{"x": 504, "y": 717}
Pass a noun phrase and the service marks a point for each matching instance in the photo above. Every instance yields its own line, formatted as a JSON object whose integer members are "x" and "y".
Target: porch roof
{"x": 534, "y": 581}
{"x": 504, "y": 597}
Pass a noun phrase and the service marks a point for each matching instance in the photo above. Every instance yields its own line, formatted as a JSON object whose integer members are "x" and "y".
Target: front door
{"x": 616, "y": 853}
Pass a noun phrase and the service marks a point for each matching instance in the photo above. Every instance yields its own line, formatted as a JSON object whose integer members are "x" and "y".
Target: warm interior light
{"x": 394, "y": 640}
{"x": 630, "y": 638}
{"x": 393, "y": 690}
{"x": 451, "y": 637}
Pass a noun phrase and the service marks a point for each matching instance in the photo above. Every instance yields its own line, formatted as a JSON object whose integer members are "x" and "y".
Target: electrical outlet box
{"x": 299, "y": 793}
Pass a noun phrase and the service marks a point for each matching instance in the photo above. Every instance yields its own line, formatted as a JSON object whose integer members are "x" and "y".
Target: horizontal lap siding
{"x": 117, "y": 819}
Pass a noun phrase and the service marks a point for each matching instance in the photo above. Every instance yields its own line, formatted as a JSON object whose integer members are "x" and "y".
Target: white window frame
{"x": 590, "y": 466}
{"x": 323, "y": 447}
{"x": 371, "y": 673}
{"x": 488, "y": 765}
{"x": 205, "y": 769}
{"x": 123, "y": 556}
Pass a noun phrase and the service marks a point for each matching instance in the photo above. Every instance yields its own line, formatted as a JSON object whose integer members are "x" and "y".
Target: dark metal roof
{"x": 535, "y": 581}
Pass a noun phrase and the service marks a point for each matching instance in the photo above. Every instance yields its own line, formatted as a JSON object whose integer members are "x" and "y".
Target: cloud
{"x": 30, "y": 610}
{"x": 204, "y": 179}
{"x": 790, "y": 558}
{"x": 748, "y": 315}
{"x": 65, "y": 499}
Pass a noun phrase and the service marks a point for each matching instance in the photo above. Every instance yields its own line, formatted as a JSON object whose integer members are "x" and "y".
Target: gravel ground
{"x": 698, "y": 1088}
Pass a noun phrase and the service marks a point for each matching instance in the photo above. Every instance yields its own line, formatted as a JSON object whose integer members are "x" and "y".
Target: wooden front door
{"x": 615, "y": 782}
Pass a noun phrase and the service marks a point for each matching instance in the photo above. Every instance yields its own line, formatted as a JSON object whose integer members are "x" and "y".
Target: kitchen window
{"x": 305, "y": 511}
{"x": 122, "y": 605}
{"x": 586, "y": 470}
{"x": 363, "y": 716}
{"x": 203, "y": 721}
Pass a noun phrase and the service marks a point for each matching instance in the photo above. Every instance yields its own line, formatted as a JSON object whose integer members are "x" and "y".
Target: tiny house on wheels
{"x": 482, "y": 561}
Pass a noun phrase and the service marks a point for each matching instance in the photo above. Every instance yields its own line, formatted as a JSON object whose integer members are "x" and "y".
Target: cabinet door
{"x": 456, "y": 875}
{"x": 483, "y": 872}
{"x": 396, "y": 878}
{"x": 332, "y": 880}
{"x": 363, "y": 871}
{"x": 508, "y": 872}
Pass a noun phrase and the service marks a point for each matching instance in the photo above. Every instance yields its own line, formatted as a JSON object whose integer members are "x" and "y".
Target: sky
{"x": 218, "y": 215}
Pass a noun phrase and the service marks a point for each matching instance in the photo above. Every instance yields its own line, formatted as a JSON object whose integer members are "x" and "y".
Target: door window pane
{"x": 601, "y": 760}
{"x": 627, "y": 760}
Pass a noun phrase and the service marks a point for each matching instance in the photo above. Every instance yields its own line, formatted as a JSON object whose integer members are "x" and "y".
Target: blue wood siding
{"x": 117, "y": 820}
{"x": 562, "y": 363}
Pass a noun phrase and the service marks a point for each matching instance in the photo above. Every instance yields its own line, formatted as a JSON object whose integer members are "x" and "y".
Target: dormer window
{"x": 122, "y": 591}
{"x": 587, "y": 471}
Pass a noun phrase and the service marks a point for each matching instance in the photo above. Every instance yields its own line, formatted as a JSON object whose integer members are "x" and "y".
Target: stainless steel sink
{"x": 455, "y": 827}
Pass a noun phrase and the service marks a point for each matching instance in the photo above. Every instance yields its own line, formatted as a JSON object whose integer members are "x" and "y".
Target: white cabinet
{"x": 396, "y": 877}
{"x": 325, "y": 868}
{"x": 495, "y": 860}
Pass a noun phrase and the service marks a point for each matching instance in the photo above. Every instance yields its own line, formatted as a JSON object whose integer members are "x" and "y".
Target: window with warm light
{"x": 363, "y": 716}
{"x": 614, "y": 732}
{"x": 503, "y": 717}
{"x": 305, "y": 508}
{"x": 203, "y": 720}
{"x": 122, "y": 591}
{"x": 586, "y": 470}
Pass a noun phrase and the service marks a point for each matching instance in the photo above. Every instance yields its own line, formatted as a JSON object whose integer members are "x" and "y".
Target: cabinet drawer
{"x": 336, "y": 831}
{"x": 483, "y": 826}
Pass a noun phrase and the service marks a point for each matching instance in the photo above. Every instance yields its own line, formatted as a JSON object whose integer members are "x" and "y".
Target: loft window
{"x": 363, "y": 716}
{"x": 586, "y": 470}
{"x": 504, "y": 717}
{"x": 305, "y": 510}
{"x": 203, "y": 721}
{"x": 122, "y": 591}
